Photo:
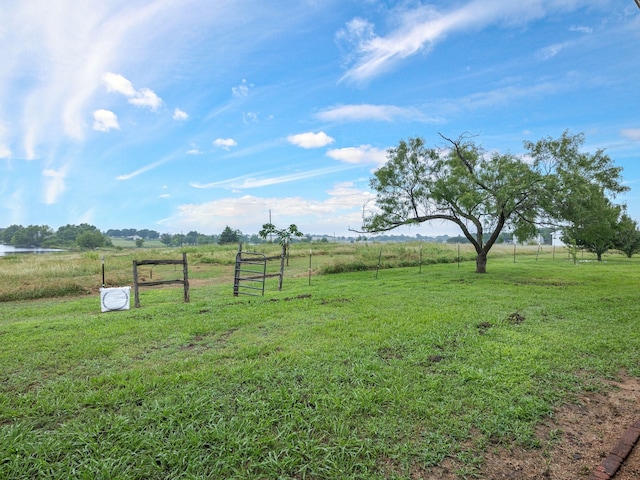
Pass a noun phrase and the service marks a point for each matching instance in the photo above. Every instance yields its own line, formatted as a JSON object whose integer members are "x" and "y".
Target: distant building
{"x": 556, "y": 239}
{"x": 537, "y": 240}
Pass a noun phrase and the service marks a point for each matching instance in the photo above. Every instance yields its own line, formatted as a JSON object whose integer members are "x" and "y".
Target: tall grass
{"x": 72, "y": 273}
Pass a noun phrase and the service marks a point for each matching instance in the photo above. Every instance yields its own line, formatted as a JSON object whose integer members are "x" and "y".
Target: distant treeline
{"x": 89, "y": 236}
{"x": 83, "y": 236}
{"x": 132, "y": 232}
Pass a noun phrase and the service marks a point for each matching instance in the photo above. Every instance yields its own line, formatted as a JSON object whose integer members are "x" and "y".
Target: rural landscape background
{"x": 442, "y": 197}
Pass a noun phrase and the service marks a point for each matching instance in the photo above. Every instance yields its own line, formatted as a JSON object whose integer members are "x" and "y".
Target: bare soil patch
{"x": 574, "y": 442}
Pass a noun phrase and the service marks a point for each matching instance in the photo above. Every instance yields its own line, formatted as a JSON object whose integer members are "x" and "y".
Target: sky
{"x": 182, "y": 115}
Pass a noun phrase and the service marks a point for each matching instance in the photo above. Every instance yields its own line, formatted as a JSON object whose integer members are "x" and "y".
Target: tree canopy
{"x": 485, "y": 192}
{"x": 83, "y": 235}
{"x": 229, "y": 236}
{"x": 627, "y": 236}
{"x": 283, "y": 235}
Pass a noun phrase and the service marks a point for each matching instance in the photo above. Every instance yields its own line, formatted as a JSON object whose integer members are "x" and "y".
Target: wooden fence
{"x": 184, "y": 281}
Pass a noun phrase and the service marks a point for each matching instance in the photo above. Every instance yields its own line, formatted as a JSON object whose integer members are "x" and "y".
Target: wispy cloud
{"x": 362, "y": 112}
{"x": 509, "y": 94}
{"x": 5, "y": 152}
{"x": 249, "y": 118}
{"x": 551, "y": 51}
{"x": 245, "y": 181}
{"x": 632, "y": 134}
{"x": 54, "y": 184}
{"x": 242, "y": 90}
{"x": 587, "y": 30}
{"x": 144, "y": 169}
{"x": 419, "y": 29}
{"x": 69, "y": 48}
{"x": 310, "y": 139}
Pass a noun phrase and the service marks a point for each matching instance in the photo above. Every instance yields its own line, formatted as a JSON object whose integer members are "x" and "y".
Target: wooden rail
{"x": 184, "y": 281}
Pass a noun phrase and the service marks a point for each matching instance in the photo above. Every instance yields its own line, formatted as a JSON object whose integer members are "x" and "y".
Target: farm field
{"x": 418, "y": 369}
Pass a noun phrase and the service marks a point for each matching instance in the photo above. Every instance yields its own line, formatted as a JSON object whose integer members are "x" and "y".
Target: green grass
{"x": 350, "y": 377}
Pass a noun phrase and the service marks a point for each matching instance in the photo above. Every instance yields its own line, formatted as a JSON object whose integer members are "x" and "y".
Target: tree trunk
{"x": 481, "y": 263}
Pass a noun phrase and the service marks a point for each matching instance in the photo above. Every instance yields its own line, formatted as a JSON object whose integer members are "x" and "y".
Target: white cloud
{"x": 387, "y": 113}
{"x": 342, "y": 208}
{"x": 54, "y": 184}
{"x": 180, "y": 114}
{"x": 225, "y": 143}
{"x": 105, "y": 120}
{"x": 146, "y": 98}
{"x": 346, "y": 195}
{"x": 364, "y": 154}
{"x": 241, "y": 90}
{"x": 143, "y": 97}
{"x": 194, "y": 151}
{"x": 419, "y": 29}
{"x": 631, "y": 134}
{"x": 117, "y": 83}
{"x": 310, "y": 139}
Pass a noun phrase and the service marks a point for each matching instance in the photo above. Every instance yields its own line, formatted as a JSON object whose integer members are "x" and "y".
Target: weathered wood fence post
{"x": 184, "y": 281}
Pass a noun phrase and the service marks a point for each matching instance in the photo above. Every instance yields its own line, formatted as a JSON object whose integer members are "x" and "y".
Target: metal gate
{"x": 251, "y": 273}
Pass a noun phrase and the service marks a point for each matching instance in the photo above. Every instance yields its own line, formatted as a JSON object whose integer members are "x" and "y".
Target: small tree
{"x": 595, "y": 224}
{"x": 166, "y": 239}
{"x": 139, "y": 242}
{"x": 627, "y": 236}
{"x": 282, "y": 235}
{"x": 229, "y": 236}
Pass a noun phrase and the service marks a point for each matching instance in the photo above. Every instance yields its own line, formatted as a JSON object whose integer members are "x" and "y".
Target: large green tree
{"x": 485, "y": 192}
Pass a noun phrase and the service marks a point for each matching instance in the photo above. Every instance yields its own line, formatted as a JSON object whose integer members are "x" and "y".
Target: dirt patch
{"x": 574, "y": 442}
{"x": 515, "y": 318}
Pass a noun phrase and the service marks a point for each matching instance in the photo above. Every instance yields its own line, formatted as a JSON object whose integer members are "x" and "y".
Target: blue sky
{"x": 180, "y": 115}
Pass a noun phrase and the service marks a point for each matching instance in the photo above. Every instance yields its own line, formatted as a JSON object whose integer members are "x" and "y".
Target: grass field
{"x": 364, "y": 374}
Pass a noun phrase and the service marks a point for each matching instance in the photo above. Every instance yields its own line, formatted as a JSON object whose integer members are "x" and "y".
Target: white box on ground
{"x": 116, "y": 298}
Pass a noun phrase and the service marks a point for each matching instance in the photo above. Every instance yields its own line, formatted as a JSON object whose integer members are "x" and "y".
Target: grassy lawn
{"x": 352, "y": 375}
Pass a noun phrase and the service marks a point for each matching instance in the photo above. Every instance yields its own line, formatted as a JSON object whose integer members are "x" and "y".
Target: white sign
{"x": 115, "y": 298}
